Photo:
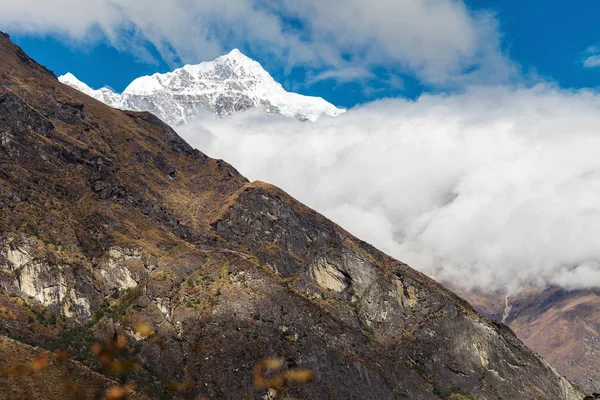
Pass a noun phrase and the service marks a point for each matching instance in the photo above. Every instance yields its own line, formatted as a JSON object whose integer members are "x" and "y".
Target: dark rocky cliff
{"x": 109, "y": 219}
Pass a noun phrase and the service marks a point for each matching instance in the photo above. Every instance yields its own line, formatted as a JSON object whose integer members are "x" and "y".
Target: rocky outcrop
{"x": 109, "y": 220}
{"x": 51, "y": 285}
{"x": 442, "y": 336}
{"x": 124, "y": 268}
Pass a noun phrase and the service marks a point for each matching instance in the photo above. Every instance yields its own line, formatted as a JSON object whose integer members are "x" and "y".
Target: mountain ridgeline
{"x": 109, "y": 220}
{"x": 229, "y": 84}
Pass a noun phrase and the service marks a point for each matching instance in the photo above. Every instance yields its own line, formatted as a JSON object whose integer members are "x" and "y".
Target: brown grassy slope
{"x": 130, "y": 157}
{"x": 36, "y": 374}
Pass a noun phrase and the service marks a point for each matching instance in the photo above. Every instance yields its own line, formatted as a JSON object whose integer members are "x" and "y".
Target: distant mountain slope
{"x": 109, "y": 220}
{"x": 230, "y": 83}
{"x": 561, "y": 325}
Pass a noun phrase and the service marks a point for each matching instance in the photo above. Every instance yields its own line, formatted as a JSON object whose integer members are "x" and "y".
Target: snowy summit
{"x": 230, "y": 83}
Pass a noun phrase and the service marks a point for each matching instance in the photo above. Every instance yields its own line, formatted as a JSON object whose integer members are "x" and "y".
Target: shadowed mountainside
{"x": 108, "y": 219}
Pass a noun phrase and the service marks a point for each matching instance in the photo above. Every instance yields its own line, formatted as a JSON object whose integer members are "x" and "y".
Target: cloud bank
{"x": 439, "y": 41}
{"x": 494, "y": 188}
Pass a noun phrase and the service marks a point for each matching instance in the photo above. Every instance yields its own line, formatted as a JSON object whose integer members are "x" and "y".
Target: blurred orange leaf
{"x": 271, "y": 363}
{"x": 179, "y": 387}
{"x": 119, "y": 392}
{"x": 103, "y": 353}
{"x": 144, "y": 330}
{"x": 274, "y": 383}
{"x": 279, "y": 380}
{"x": 121, "y": 366}
{"x": 73, "y": 388}
{"x": 300, "y": 375}
{"x": 121, "y": 342}
{"x": 41, "y": 362}
{"x": 62, "y": 356}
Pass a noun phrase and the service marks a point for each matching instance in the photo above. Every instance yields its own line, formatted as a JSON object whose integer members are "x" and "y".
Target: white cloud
{"x": 343, "y": 75}
{"x": 592, "y": 61}
{"x": 440, "y": 41}
{"x": 591, "y": 57}
{"x": 492, "y": 188}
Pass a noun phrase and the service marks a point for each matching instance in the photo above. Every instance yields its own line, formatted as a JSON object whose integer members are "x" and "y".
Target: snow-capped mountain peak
{"x": 105, "y": 95}
{"x": 72, "y": 80}
{"x": 236, "y": 56}
{"x": 232, "y": 82}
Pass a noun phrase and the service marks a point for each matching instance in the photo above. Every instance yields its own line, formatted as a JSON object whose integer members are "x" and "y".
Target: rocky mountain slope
{"x": 109, "y": 221}
{"x": 563, "y": 326}
{"x": 230, "y": 83}
{"x": 573, "y": 355}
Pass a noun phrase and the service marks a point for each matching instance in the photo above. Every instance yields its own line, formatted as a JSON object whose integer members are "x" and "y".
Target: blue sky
{"x": 544, "y": 39}
{"x": 549, "y": 37}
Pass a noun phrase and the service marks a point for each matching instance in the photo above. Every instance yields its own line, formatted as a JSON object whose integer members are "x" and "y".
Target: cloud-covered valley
{"x": 493, "y": 188}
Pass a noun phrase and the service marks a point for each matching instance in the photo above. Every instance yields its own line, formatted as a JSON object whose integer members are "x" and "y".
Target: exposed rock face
{"x": 108, "y": 218}
{"x": 53, "y": 286}
{"x": 124, "y": 268}
{"x": 367, "y": 290}
{"x": 560, "y": 325}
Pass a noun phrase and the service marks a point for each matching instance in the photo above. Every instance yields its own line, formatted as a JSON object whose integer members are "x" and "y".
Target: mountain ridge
{"x": 231, "y": 83}
{"x": 108, "y": 219}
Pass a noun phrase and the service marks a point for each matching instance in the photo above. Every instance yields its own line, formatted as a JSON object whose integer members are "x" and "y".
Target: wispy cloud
{"x": 343, "y": 75}
{"x": 591, "y": 57}
{"x": 440, "y": 42}
{"x": 592, "y": 61}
